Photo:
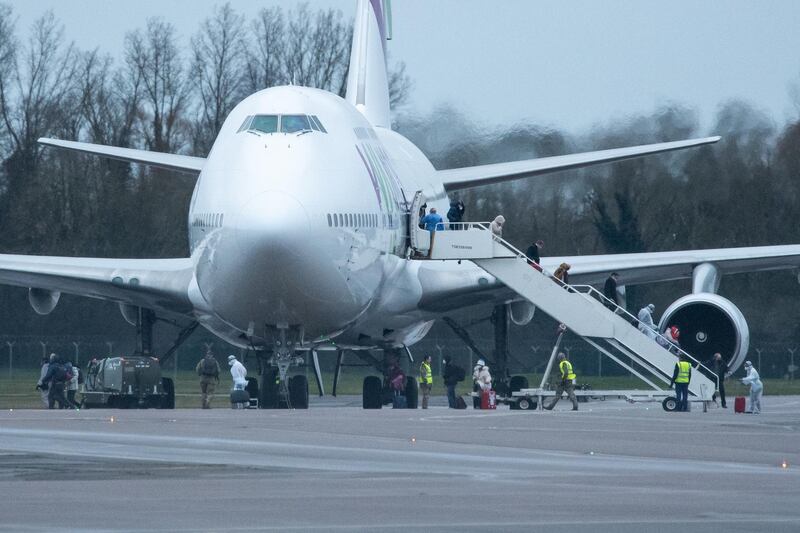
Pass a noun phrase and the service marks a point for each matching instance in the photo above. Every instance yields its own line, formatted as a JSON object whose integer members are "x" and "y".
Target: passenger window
{"x": 264, "y": 123}
{"x": 341, "y": 221}
{"x": 330, "y": 223}
{"x": 294, "y": 123}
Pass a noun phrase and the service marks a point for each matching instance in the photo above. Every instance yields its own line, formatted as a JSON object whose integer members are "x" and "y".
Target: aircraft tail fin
{"x": 367, "y": 79}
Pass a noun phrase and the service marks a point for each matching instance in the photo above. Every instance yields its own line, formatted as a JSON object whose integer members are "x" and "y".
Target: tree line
{"x": 165, "y": 94}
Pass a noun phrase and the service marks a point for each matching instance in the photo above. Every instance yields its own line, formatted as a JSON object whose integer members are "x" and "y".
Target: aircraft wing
{"x": 158, "y": 284}
{"x": 451, "y": 290}
{"x": 464, "y": 178}
{"x": 179, "y": 163}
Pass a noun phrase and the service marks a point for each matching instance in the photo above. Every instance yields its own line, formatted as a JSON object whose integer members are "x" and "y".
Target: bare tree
{"x": 153, "y": 57}
{"x": 264, "y": 65}
{"x": 218, "y": 72}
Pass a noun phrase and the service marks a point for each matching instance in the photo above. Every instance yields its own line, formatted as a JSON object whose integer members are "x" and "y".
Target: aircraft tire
{"x": 298, "y": 392}
{"x": 412, "y": 392}
{"x": 517, "y": 383}
{"x": 371, "y": 392}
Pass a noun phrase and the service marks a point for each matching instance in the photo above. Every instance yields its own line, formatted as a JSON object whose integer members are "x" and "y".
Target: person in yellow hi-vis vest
{"x": 425, "y": 380}
{"x": 680, "y": 378}
{"x": 567, "y": 383}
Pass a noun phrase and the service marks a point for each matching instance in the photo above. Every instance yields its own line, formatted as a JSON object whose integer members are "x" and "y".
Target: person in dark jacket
{"x": 610, "y": 291}
{"x": 534, "y": 250}
{"x": 55, "y": 380}
{"x": 456, "y": 213}
{"x": 450, "y": 376}
{"x": 720, "y": 368}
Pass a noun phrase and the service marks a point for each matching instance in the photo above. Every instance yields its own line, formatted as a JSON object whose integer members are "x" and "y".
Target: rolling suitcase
{"x": 240, "y": 399}
{"x": 488, "y": 399}
{"x": 739, "y": 404}
{"x": 460, "y": 403}
{"x": 399, "y": 402}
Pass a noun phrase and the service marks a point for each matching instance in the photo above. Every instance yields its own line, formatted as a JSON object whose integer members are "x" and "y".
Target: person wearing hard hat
{"x": 756, "y": 387}
{"x": 567, "y": 383}
{"x": 238, "y": 373}
{"x": 425, "y": 380}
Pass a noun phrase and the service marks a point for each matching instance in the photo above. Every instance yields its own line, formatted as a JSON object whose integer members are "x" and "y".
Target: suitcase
{"x": 460, "y": 403}
{"x": 399, "y": 402}
{"x": 488, "y": 399}
{"x": 739, "y": 404}
{"x": 240, "y": 399}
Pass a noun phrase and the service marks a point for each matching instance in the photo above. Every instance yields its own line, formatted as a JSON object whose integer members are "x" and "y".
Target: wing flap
{"x": 179, "y": 163}
{"x": 464, "y": 178}
{"x": 159, "y": 284}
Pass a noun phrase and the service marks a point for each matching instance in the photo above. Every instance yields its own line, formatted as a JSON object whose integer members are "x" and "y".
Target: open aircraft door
{"x": 417, "y": 239}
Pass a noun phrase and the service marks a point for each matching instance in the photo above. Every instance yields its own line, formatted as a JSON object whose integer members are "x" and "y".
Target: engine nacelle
{"x": 130, "y": 313}
{"x": 709, "y": 323}
{"x": 43, "y": 301}
{"x": 521, "y": 312}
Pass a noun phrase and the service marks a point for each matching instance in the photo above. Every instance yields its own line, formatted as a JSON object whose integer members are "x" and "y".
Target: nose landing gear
{"x": 278, "y": 389}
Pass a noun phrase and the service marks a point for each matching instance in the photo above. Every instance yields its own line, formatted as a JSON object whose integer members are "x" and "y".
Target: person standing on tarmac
{"x": 567, "y": 383}
{"x": 450, "y": 377}
{"x": 41, "y": 387}
{"x": 238, "y": 373}
{"x": 720, "y": 368}
{"x": 425, "y": 380}
{"x": 208, "y": 370}
{"x": 756, "y": 387}
{"x": 72, "y": 384}
{"x": 681, "y": 377}
{"x": 55, "y": 379}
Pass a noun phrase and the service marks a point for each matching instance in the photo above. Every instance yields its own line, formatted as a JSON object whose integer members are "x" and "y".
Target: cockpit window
{"x": 264, "y": 123}
{"x": 316, "y": 124}
{"x": 294, "y": 123}
{"x": 282, "y": 123}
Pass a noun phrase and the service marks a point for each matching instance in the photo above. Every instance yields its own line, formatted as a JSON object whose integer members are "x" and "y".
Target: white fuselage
{"x": 307, "y": 229}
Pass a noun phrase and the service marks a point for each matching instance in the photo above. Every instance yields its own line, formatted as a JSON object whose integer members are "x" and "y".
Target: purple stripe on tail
{"x": 377, "y": 6}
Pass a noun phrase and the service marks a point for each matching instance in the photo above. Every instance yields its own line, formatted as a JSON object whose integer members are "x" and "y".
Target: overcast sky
{"x": 565, "y": 64}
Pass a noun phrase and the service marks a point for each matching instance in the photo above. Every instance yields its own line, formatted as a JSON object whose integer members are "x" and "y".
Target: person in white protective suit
{"x": 238, "y": 373}
{"x": 756, "y": 387}
{"x": 646, "y": 324}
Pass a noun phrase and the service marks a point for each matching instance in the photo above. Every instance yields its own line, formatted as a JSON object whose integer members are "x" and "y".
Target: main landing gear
{"x": 376, "y": 391}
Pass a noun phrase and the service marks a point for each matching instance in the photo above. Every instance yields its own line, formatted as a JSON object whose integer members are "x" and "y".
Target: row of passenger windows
{"x": 282, "y": 123}
{"x": 207, "y": 220}
{"x": 353, "y": 220}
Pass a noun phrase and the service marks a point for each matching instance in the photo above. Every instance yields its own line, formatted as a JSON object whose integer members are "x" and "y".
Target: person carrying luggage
{"x": 208, "y": 370}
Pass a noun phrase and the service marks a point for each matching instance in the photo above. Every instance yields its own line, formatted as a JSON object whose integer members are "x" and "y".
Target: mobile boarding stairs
{"x": 581, "y": 308}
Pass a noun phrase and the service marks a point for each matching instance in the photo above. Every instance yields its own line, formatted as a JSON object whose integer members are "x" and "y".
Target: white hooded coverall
{"x": 239, "y": 375}
{"x": 646, "y": 324}
{"x": 756, "y": 388}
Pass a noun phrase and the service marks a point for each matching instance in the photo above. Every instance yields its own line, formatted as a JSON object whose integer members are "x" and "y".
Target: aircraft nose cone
{"x": 272, "y": 224}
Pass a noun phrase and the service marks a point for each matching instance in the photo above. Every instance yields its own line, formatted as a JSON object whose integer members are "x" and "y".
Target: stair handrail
{"x": 618, "y": 309}
{"x": 602, "y": 297}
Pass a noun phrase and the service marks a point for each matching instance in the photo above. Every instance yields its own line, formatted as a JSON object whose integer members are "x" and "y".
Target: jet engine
{"x": 130, "y": 313}
{"x": 709, "y": 323}
{"x": 521, "y": 312}
{"x": 42, "y": 300}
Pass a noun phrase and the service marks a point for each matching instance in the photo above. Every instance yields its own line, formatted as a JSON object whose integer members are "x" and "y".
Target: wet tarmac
{"x": 611, "y": 466}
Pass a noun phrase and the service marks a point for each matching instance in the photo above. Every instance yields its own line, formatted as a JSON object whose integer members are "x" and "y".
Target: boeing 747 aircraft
{"x": 299, "y": 234}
